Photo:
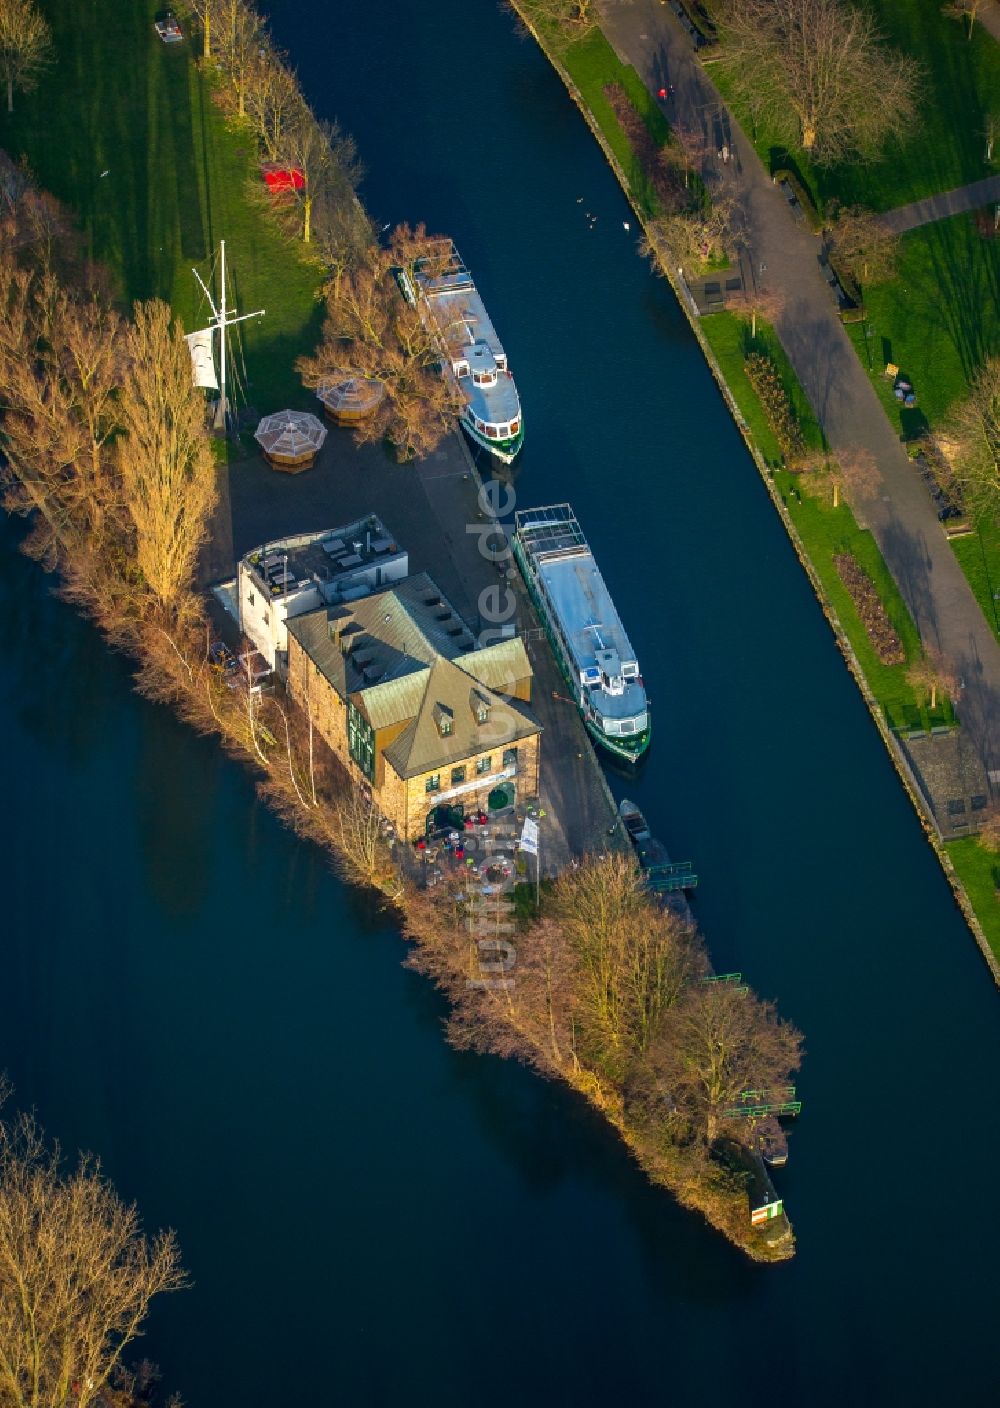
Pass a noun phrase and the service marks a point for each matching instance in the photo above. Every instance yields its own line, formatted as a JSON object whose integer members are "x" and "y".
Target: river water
{"x": 368, "y": 1216}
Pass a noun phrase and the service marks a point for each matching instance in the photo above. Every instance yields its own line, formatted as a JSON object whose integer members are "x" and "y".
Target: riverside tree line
{"x": 107, "y": 456}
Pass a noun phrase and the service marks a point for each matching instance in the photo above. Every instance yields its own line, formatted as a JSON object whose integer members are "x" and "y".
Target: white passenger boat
{"x": 583, "y": 626}
{"x": 442, "y": 288}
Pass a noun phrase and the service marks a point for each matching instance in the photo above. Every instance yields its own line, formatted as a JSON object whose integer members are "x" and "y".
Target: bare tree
{"x": 687, "y": 151}
{"x": 756, "y": 301}
{"x": 326, "y": 158}
{"x": 358, "y": 829}
{"x": 863, "y": 245}
{"x": 821, "y": 74}
{"x": 372, "y": 331}
{"x": 967, "y": 10}
{"x": 693, "y": 237}
{"x": 632, "y": 958}
{"x": 165, "y": 460}
{"x": 59, "y": 373}
{"x": 931, "y": 674}
{"x": 711, "y": 1047}
{"x": 77, "y": 1274}
{"x": 271, "y": 99}
{"x": 242, "y": 40}
{"x": 205, "y": 11}
{"x": 973, "y": 429}
{"x": 25, "y": 46}
{"x": 853, "y": 475}
{"x": 570, "y": 19}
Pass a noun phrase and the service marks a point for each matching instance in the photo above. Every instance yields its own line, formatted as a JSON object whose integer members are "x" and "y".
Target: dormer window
{"x": 480, "y": 706}
{"x": 444, "y": 719}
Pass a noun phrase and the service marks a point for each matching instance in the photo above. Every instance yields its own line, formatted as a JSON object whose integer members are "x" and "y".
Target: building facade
{"x": 413, "y": 709}
{"x": 283, "y": 579}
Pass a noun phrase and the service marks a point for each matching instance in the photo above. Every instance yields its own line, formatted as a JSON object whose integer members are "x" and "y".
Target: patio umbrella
{"x": 348, "y": 398}
{"x": 290, "y": 440}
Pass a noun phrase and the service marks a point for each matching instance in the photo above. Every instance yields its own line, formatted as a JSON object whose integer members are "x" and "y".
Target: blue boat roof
{"x": 460, "y": 316}
{"x": 581, "y": 603}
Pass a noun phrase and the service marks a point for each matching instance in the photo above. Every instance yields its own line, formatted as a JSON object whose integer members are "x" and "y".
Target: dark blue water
{"x": 368, "y": 1216}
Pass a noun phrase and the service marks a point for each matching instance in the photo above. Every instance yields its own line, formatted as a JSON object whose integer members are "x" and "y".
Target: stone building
{"x": 396, "y": 685}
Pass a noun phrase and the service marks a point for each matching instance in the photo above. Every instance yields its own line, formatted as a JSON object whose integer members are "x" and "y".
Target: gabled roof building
{"x": 397, "y": 686}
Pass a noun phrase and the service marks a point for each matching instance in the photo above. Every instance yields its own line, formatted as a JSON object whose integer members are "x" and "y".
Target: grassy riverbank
{"x": 824, "y": 530}
{"x": 123, "y": 130}
{"x": 979, "y": 872}
{"x": 946, "y": 148}
{"x": 593, "y": 65}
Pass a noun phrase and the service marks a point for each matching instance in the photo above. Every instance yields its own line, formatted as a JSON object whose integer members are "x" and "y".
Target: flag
{"x": 202, "y": 358}
{"x": 529, "y": 836}
{"x": 766, "y": 1213}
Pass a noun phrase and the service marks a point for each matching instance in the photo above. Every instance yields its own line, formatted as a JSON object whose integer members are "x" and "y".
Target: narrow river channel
{"x": 370, "y": 1218}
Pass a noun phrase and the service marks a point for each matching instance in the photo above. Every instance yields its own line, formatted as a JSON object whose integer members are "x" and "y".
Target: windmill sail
{"x": 202, "y": 358}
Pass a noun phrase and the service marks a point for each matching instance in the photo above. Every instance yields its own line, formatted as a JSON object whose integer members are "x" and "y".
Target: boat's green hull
{"x": 504, "y": 450}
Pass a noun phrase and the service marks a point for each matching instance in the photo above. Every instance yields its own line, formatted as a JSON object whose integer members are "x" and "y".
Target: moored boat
{"x": 589, "y": 640}
{"x": 772, "y": 1142}
{"x": 662, "y": 875}
{"x": 473, "y": 355}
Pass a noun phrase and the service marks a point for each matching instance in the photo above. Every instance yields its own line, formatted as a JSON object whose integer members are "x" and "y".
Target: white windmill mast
{"x": 222, "y": 318}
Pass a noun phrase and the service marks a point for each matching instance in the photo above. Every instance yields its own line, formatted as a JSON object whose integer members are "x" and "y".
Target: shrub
{"x": 766, "y": 381}
{"x": 874, "y": 617}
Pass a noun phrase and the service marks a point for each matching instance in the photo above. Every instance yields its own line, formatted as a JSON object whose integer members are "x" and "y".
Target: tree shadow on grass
{"x": 963, "y": 289}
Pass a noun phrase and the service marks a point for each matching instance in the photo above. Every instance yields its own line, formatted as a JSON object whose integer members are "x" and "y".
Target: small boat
{"x": 168, "y": 27}
{"x": 662, "y": 875}
{"x": 772, "y": 1141}
{"x": 634, "y": 822}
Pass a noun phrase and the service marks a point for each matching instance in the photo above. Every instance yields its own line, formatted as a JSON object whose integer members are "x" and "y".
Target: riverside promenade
{"x": 779, "y": 254}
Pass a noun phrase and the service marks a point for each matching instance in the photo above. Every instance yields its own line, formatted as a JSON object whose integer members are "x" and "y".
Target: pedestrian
{"x": 662, "y": 93}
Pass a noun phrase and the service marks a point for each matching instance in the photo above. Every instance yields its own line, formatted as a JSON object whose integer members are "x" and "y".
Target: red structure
{"x": 282, "y": 179}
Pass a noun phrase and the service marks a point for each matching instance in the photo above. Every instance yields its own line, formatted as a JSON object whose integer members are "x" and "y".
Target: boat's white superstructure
{"x": 442, "y": 287}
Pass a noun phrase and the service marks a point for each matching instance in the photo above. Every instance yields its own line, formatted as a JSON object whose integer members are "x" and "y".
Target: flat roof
{"x": 325, "y": 556}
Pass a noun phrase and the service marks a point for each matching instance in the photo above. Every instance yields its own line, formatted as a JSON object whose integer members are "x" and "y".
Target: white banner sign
{"x": 202, "y": 358}
{"x": 529, "y": 836}
{"x": 473, "y": 786}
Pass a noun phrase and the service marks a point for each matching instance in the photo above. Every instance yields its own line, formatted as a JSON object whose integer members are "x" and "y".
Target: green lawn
{"x": 937, "y": 321}
{"x": 980, "y": 874}
{"x": 961, "y": 83}
{"x": 825, "y": 530}
{"x": 979, "y": 559}
{"x": 592, "y": 64}
{"x": 119, "y": 101}
{"x": 729, "y": 337}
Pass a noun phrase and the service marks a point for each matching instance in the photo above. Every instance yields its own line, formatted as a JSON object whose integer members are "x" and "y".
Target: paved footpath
{"x": 989, "y": 18}
{"x": 781, "y": 255}
{"x": 925, "y": 212}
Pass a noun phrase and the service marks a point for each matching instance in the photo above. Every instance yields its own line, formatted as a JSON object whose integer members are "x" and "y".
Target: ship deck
{"x": 578, "y": 596}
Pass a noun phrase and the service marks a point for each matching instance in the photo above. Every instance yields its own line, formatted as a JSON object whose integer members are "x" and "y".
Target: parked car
{"x": 168, "y": 27}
